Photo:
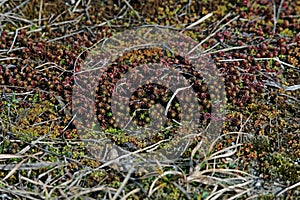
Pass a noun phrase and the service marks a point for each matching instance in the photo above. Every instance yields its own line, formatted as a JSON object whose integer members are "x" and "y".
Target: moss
{"x": 49, "y": 51}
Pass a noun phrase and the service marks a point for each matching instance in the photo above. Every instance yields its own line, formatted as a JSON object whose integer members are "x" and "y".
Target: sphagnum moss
{"x": 48, "y": 48}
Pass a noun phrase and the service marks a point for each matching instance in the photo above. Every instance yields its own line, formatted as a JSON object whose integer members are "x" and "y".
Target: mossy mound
{"x": 255, "y": 46}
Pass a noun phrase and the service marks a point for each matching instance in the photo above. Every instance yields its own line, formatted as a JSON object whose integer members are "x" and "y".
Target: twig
{"x": 123, "y": 183}
{"x": 16, "y": 35}
{"x": 54, "y": 65}
{"x": 208, "y": 50}
{"x": 33, "y": 182}
{"x": 130, "y": 193}
{"x": 17, "y": 7}
{"x": 219, "y": 22}
{"x": 289, "y": 188}
{"x": 224, "y": 50}
{"x": 76, "y": 20}
{"x": 278, "y": 14}
{"x": 293, "y": 98}
{"x": 3, "y": 2}
{"x": 9, "y": 156}
{"x": 197, "y": 22}
{"x": 87, "y": 6}
{"x": 17, "y": 18}
{"x": 232, "y": 60}
{"x": 173, "y": 96}
{"x": 274, "y": 16}
{"x": 131, "y": 8}
{"x": 14, "y": 169}
{"x": 40, "y": 12}
{"x": 286, "y": 64}
{"x": 44, "y": 122}
{"x": 212, "y": 34}
{"x": 24, "y": 194}
{"x": 75, "y": 6}
{"x": 65, "y": 36}
{"x": 9, "y": 58}
{"x": 28, "y": 166}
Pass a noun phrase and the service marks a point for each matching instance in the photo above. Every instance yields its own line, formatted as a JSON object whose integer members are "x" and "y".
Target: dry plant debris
{"x": 255, "y": 45}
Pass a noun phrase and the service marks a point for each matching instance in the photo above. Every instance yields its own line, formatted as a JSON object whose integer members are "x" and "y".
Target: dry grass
{"x": 45, "y": 165}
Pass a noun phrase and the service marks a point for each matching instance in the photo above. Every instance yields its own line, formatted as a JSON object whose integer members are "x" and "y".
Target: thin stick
{"x": 123, "y": 183}
{"x": 13, "y": 170}
{"x": 40, "y": 12}
{"x": 279, "y": 9}
{"x": 17, "y": 18}
{"x": 76, "y": 5}
{"x": 76, "y": 20}
{"x": 211, "y": 35}
{"x": 198, "y": 21}
{"x": 288, "y": 188}
{"x": 9, "y": 156}
{"x": 65, "y": 36}
{"x": 18, "y": 7}
{"x": 224, "y": 50}
{"x": 130, "y": 193}
{"x": 16, "y": 35}
{"x": 208, "y": 50}
{"x": 274, "y": 17}
{"x": 232, "y": 60}
{"x": 219, "y": 22}
{"x": 131, "y": 8}
{"x": 9, "y": 58}
{"x": 173, "y": 96}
